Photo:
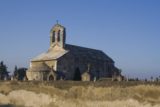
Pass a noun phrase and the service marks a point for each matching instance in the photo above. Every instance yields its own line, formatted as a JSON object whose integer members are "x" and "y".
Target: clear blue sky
{"x": 127, "y": 30}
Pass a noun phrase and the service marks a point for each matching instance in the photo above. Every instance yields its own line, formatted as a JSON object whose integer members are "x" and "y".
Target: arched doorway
{"x": 77, "y": 75}
{"x": 51, "y": 78}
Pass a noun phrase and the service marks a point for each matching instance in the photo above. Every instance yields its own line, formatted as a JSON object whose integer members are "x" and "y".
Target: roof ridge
{"x": 85, "y": 47}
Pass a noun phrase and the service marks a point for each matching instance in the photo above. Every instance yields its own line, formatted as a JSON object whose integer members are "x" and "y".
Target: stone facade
{"x": 69, "y": 62}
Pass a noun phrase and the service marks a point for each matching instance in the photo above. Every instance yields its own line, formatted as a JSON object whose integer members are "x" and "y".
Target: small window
{"x": 53, "y": 36}
{"x": 58, "y": 39}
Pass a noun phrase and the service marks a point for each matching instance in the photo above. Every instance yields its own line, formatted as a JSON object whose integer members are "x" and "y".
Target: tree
{"x": 151, "y": 78}
{"x": 77, "y": 75}
{"x": 157, "y": 79}
{"x": 145, "y": 80}
{"x": 15, "y": 74}
{"x": 20, "y": 73}
{"x": 137, "y": 79}
{"x": 3, "y": 71}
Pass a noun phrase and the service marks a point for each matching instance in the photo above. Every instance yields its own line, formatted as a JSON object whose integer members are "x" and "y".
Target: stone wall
{"x": 98, "y": 68}
{"x": 66, "y": 65}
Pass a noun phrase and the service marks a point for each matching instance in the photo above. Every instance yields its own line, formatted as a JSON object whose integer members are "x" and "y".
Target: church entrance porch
{"x": 51, "y": 78}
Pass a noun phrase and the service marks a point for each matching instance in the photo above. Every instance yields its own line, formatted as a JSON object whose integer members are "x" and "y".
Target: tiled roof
{"x": 49, "y": 55}
{"x": 87, "y": 52}
{"x": 76, "y": 51}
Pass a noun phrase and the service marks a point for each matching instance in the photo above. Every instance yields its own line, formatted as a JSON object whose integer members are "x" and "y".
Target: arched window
{"x": 53, "y": 36}
{"x": 58, "y": 39}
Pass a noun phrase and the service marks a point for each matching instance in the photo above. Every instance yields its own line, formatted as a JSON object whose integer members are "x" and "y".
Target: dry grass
{"x": 78, "y": 94}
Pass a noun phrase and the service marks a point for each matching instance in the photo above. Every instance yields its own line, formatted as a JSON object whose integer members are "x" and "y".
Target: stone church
{"x": 70, "y": 62}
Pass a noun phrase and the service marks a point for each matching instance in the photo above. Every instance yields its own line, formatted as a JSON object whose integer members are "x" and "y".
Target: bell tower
{"x": 58, "y": 36}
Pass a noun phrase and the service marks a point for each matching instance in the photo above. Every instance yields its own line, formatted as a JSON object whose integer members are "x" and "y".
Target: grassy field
{"x": 79, "y": 94}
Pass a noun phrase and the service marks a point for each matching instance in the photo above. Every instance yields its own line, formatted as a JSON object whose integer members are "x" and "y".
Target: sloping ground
{"x": 79, "y": 94}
